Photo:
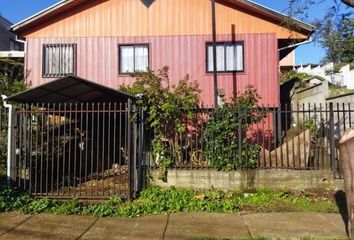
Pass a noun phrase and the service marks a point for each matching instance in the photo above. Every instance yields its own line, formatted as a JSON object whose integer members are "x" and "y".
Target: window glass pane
{"x": 141, "y": 58}
{"x": 210, "y": 58}
{"x": 59, "y": 60}
{"x": 127, "y": 59}
{"x": 239, "y": 58}
{"x": 231, "y": 57}
{"x": 220, "y": 58}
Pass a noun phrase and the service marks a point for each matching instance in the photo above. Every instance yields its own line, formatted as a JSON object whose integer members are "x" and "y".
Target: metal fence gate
{"x": 77, "y": 150}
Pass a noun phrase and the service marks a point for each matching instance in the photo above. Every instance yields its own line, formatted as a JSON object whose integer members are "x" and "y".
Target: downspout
{"x": 215, "y": 72}
{"x": 10, "y": 166}
{"x": 25, "y": 58}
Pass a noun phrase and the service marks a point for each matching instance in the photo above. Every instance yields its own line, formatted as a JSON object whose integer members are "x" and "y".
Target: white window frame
{"x": 223, "y": 66}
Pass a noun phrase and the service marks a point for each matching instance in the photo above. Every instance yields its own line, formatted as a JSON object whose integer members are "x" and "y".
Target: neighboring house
{"x": 105, "y": 40}
{"x": 339, "y": 76}
{"x": 9, "y": 46}
{"x": 288, "y": 62}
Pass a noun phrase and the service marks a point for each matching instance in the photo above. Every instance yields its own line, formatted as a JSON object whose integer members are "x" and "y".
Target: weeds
{"x": 155, "y": 200}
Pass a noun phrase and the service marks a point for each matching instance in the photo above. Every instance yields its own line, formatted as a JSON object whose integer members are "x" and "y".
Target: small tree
{"x": 11, "y": 82}
{"x": 169, "y": 108}
{"x": 225, "y": 139}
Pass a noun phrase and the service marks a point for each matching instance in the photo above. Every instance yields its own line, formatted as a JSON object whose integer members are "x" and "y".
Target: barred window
{"x": 59, "y": 60}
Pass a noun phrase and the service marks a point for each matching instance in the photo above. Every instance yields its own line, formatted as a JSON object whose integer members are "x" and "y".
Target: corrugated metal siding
{"x": 162, "y": 18}
{"x": 98, "y": 61}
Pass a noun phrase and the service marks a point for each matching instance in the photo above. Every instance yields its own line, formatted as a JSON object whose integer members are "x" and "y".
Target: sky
{"x": 17, "y": 10}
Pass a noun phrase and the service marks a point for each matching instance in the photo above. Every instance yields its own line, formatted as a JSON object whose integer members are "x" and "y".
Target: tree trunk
{"x": 349, "y": 2}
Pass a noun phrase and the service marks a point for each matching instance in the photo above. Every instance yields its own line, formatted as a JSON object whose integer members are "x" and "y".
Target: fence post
{"x": 331, "y": 137}
{"x": 141, "y": 148}
{"x": 134, "y": 152}
{"x": 129, "y": 152}
{"x": 10, "y": 145}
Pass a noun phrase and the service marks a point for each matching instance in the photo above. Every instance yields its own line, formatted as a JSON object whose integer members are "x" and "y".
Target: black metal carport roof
{"x": 70, "y": 89}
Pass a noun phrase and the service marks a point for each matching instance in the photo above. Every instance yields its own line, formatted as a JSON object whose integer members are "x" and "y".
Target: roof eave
{"x": 272, "y": 13}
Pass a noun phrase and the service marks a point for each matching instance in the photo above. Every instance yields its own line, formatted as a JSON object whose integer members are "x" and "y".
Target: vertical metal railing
{"x": 296, "y": 136}
{"x": 76, "y": 150}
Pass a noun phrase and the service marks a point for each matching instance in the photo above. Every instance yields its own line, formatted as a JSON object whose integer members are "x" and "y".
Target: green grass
{"x": 335, "y": 91}
{"x": 155, "y": 200}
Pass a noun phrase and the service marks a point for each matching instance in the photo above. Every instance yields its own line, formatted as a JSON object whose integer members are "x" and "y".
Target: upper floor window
{"x": 229, "y": 57}
{"x": 15, "y": 46}
{"x": 133, "y": 58}
{"x": 59, "y": 60}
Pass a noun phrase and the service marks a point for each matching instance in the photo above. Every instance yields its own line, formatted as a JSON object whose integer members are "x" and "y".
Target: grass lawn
{"x": 155, "y": 200}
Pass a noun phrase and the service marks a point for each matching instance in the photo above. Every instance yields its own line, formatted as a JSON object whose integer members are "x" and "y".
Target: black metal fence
{"x": 299, "y": 137}
{"x": 96, "y": 150}
{"x": 76, "y": 150}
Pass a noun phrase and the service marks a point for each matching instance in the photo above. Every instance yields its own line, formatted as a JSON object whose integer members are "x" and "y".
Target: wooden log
{"x": 347, "y": 164}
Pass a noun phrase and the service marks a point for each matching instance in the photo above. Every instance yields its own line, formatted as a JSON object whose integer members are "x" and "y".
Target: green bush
{"x": 11, "y": 82}
{"x": 225, "y": 138}
{"x": 168, "y": 109}
{"x": 11, "y": 199}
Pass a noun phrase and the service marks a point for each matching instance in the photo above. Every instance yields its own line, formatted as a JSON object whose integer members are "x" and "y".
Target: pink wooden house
{"x": 105, "y": 40}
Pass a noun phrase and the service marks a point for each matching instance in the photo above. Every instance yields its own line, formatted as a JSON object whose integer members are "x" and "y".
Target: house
{"x": 288, "y": 62}
{"x": 108, "y": 39}
{"x": 9, "y": 45}
{"x": 341, "y": 75}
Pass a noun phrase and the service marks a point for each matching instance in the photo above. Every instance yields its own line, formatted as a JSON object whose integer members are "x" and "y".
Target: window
{"x": 229, "y": 57}
{"x": 14, "y": 46}
{"x": 59, "y": 60}
{"x": 133, "y": 58}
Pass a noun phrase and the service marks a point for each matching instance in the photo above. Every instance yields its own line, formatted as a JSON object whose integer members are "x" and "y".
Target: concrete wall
{"x": 255, "y": 179}
{"x": 314, "y": 94}
{"x": 342, "y": 119}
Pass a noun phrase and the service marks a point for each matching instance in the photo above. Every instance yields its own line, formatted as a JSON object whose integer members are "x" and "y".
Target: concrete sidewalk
{"x": 175, "y": 226}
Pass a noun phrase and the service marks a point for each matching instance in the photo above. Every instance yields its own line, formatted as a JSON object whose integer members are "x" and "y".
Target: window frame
{"x": 131, "y": 45}
{"x": 224, "y": 44}
{"x": 44, "y": 75}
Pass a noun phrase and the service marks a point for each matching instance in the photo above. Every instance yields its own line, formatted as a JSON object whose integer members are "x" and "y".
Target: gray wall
{"x": 255, "y": 179}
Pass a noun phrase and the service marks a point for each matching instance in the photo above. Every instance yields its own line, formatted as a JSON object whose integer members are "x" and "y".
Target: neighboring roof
{"x": 65, "y": 5}
{"x": 70, "y": 89}
{"x": 306, "y": 65}
{"x": 5, "y": 22}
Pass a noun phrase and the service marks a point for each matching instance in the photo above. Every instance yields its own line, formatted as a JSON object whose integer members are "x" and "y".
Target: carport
{"x": 72, "y": 137}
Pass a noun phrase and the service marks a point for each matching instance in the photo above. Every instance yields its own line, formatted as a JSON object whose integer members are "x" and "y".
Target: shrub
{"x": 11, "y": 82}
{"x": 168, "y": 109}
{"x": 225, "y": 141}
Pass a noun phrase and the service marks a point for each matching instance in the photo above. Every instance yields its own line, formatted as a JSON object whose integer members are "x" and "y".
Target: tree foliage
{"x": 334, "y": 31}
{"x": 11, "y": 77}
{"x": 168, "y": 109}
{"x": 338, "y": 40}
{"x": 11, "y": 82}
{"x": 225, "y": 139}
